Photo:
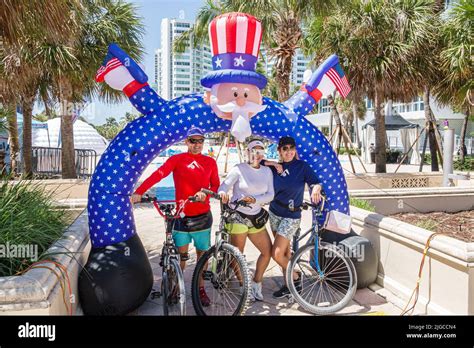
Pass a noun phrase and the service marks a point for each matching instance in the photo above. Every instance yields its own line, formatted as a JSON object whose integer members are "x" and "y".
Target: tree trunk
{"x": 282, "y": 77}
{"x": 67, "y": 135}
{"x": 336, "y": 116}
{"x": 14, "y": 139}
{"x": 431, "y": 130}
{"x": 27, "y": 106}
{"x": 355, "y": 112}
{"x": 380, "y": 135}
{"x": 463, "y": 135}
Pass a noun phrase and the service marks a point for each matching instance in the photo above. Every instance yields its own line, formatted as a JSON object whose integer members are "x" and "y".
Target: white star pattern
{"x": 110, "y": 213}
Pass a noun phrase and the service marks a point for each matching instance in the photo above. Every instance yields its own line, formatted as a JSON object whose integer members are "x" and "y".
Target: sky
{"x": 152, "y": 12}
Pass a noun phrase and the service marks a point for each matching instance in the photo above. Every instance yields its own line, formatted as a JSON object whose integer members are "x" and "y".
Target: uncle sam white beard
{"x": 240, "y": 128}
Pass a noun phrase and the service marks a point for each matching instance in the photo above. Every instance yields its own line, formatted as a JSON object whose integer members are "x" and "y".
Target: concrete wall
{"x": 38, "y": 291}
{"x": 392, "y": 180}
{"x": 447, "y": 283}
{"x": 422, "y": 200}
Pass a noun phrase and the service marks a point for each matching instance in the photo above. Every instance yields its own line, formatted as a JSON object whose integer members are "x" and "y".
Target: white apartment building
{"x": 300, "y": 64}
{"x": 179, "y": 74}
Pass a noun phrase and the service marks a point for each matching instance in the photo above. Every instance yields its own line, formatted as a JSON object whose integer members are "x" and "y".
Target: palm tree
{"x": 100, "y": 24}
{"x": 456, "y": 86}
{"x": 67, "y": 64}
{"x": 352, "y": 110}
{"x": 378, "y": 43}
{"x": 282, "y": 20}
{"x": 22, "y": 23}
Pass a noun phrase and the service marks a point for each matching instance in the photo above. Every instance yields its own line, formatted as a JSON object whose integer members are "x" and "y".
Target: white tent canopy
{"x": 85, "y": 136}
{"x": 393, "y": 122}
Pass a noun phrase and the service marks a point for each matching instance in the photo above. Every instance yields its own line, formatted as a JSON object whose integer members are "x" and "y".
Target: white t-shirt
{"x": 244, "y": 180}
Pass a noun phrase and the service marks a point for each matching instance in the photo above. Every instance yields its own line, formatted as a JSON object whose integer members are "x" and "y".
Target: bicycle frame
{"x": 314, "y": 230}
{"x": 222, "y": 235}
{"x": 169, "y": 248}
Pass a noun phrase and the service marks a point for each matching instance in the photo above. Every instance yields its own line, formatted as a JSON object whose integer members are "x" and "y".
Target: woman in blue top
{"x": 289, "y": 179}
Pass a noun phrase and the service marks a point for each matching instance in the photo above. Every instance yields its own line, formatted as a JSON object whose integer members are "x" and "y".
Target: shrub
{"x": 28, "y": 219}
{"x": 467, "y": 166}
{"x": 343, "y": 151}
{"x": 428, "y": 224}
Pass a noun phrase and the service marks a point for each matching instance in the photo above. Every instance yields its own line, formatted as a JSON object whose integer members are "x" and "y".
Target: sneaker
{"x": 283, "y": 292}
{"x": 205, "y": 301}
{"x": 256, "y": 291}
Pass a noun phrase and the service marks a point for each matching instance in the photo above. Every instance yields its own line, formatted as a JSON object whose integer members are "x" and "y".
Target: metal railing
{"x": 46, "y": 161}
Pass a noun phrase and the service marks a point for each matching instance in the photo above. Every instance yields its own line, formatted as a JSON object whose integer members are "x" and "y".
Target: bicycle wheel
{"x": 173, "y": 290}
{"x": 226, "y": 280}
{"x": 326, "y": 292}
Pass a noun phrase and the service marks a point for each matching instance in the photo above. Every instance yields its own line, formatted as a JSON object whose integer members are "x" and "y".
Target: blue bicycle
{"x": 328, "y": 279}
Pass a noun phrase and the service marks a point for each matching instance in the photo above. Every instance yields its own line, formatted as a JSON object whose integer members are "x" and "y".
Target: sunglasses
{"x": 258, "y": 152}
{"x": 196, "y": 141}
{"x": 287, "y": 148}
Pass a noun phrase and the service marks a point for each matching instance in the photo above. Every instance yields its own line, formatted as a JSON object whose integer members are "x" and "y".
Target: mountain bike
{"x": 327, "y": 277}
{"x": 223, "y": 271}
{"x": 173, "y": 291}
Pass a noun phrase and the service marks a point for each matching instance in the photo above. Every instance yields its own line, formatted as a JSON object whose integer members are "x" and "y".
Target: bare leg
{"x": 263, "y": 243}
{"x": 281, "y": 253}
{"x": 238, "y": 240}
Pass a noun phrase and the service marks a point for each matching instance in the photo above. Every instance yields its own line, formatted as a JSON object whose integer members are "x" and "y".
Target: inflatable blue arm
{"x": 327, "y": 78}
{"x": 132, "y": 81}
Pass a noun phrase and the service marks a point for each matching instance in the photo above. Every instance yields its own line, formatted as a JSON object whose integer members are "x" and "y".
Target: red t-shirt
{"x": 191, "y": 173}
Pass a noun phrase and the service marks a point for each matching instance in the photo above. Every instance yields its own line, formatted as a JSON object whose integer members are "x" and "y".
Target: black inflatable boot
{"x": 361, "y": 252}
{"x": 116, "y": 280}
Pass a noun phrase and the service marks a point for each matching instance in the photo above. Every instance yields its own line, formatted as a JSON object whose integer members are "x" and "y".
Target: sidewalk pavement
{"x": 150, "y": 227}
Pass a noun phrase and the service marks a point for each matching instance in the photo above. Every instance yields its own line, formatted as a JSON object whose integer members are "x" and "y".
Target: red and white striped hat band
{"x": 235, "y": 33}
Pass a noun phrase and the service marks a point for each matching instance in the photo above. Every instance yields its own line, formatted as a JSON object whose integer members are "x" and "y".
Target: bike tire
{"x": 173, "y": 290}
{"x": 338, "y": 290}
{"x": 223, "y": 286}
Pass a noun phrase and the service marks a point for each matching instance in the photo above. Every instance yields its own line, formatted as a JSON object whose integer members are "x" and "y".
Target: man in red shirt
{"x": 192, "y": 171}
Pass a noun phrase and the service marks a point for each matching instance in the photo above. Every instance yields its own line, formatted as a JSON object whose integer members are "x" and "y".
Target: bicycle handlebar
{"x": 148, "y": 199}
{"x": 211, "y": 193}
{"x": 216, "y": 196}
{"x": 306, "y": 205}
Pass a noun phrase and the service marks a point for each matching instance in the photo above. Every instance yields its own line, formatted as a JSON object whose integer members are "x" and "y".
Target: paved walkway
{"x": 151, "y": 230}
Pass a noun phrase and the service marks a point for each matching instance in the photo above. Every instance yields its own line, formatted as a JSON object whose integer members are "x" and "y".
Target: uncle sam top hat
{"x": 235, "y": 42}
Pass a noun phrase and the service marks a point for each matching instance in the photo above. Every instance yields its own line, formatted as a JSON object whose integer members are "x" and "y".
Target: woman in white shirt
{"x": 253, "y": 184}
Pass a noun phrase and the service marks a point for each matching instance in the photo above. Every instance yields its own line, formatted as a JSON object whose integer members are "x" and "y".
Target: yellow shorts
{"x": 235, "y": 228}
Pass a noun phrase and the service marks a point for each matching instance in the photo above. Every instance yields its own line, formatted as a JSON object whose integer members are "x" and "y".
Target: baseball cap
{"x": 286, "y": 141}
{"x": 195, "y": 131}
{"x": 254, "y": 143}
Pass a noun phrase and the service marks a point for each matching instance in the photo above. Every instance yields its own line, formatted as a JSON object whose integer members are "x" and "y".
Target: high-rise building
{"x": 179, "y": 74}
{"x": 299, "y": 65}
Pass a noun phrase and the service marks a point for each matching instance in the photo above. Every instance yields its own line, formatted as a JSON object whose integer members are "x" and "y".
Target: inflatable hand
{"x": 119, "y": 70}
{"x": 317, "y": 76}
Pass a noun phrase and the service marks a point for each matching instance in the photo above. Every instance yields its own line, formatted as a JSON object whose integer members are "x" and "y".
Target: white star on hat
{"x": 218, "y": 62}
{"x": 239, "y": 61}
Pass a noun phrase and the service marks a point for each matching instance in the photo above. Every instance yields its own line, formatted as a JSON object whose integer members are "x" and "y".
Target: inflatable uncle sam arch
{"x": 117, "y": 277}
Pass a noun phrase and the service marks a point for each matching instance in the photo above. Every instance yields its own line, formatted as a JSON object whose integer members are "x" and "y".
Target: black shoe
{"x": 283, "y": 292}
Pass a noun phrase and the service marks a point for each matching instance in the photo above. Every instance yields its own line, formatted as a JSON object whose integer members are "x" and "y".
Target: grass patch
{"x": 29, "y": 224}
{"x": 362, "y": 204}
{"x": 428, "y": 224}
